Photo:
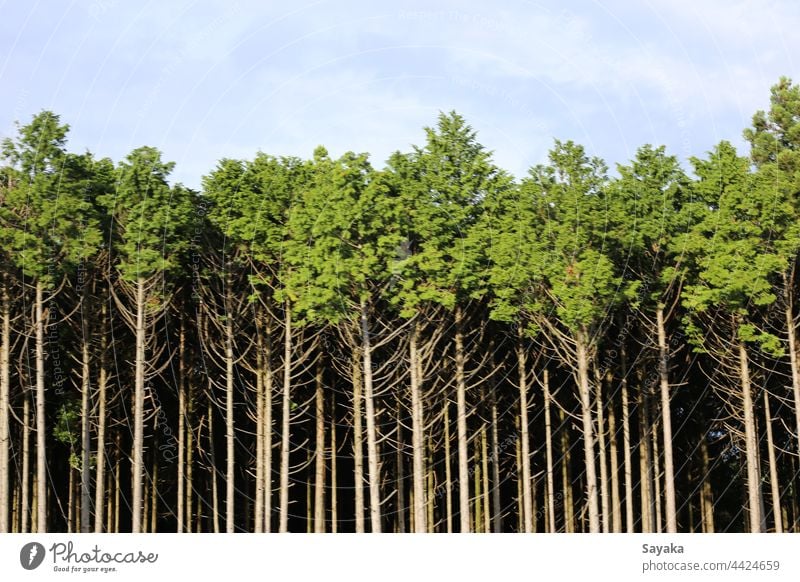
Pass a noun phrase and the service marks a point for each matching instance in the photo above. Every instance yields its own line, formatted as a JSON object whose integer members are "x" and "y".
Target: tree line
{"x": 433, "y": 346}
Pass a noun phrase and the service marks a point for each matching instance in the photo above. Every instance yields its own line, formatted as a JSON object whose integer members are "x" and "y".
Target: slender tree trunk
{"x": 285, "y": 412}
{"x": 791, "y": 330}
{"x": 154, "y": 492}
{"x": 645, "y": 464}
{"x": 5, "y": 376}
{"x": 429, "y": 505}
{"x": 358, "y": 445}
{"x": 15, "y": 509}
{"x": 601, "y": 449}
{"x": 182, "y": 425}
{"x": 773, "y": 470}
{"x": 71, "y": 501}
{"x": 522, "y": 373}
{"x": 35, "y": 507}
{"x": 616, "y": 514}
{"x": 41, "y": 434}
{"x": 566, "y": 478}
{"x": 230, "y": 484}
{"x": 26, "y": 462}
{"x": 706, "y": 492}
{"x": 138, "y": 412}
{"x": 372, "y": 437}
{"x": 497, "y": 508}
{"x": 588, "y": 432}
{"x": 190, "y": 456}
{"x": 319, "y": 468}
{"x": 626, "y": 443}
{"x": 461, "y": 424}
{"x": 102, "y": 382}
{"x": 487, "y": 527}
{"x": 548, "y": 439}
{"x": 214, "y": 488}
{"x": 268, "y": 381}
{"x": 656, "y": 479}
{"x": 666, "y": 423}
{"x": 448, "y": 477}
{"x": 117, "y": 483}
{"x": 417, "y": 437}
{"x": 334, "y": 481}
{"x": 86, "y": 492}
{"x": 476, "y": 487}
{"x": 751, "y": 444}
{"x": 400, "y": 521}
{"x": 258, "y": 514}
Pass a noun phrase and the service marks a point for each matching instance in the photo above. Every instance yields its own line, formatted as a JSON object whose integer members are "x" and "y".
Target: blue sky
{"x": 205, "y": 80}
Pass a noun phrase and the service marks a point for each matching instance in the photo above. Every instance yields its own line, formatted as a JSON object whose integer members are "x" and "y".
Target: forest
{"x": 321, "y": 345}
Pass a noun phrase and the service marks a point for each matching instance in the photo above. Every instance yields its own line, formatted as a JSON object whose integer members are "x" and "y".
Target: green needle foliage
{"x": 47, "y": 221}
{"x": 152, "y": 221}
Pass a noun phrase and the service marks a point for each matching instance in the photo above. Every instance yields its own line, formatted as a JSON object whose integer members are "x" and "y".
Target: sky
{"x": 209, "y": 80}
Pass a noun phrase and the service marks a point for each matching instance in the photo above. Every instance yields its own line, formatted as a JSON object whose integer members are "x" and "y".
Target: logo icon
{"x": 31, "y": 555}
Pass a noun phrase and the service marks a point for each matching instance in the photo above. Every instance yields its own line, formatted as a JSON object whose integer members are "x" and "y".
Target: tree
{"x": 343, "y": 234}
{"x": 47, "y": 227}
{"x": 446, "y": 180}
{"x": 563, "y": 281}
{"x": 735, "y": 260}
{"x": 151, "y": 223}
{"x": 651, "y": 195}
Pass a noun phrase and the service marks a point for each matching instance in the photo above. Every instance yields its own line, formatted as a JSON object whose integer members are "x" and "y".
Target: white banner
{"x": 407, "y": 558}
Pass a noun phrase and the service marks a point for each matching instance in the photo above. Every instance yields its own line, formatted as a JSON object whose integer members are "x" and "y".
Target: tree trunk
{"x": 485, "y": 475}
{"x": 334, "y": 481}
{"x": 791, "y": 330}
{"x": 189, "y": 455}
{"x": 417, "y": 437}
{"x": 588, "y": 432}
{"x": 706, "y": 492}
{"x": 751, "y": 444}
{"x": 601, "y": 449}
{"x": 26, "y": 462}
{"x": 656, "y": 479}
{"x": 372, "y": 437}
{"x": 522, "y": 373}
{"x": 616, "y": 515}
{"x": 358, "y": 445}
{"x": 626, "y": 443}
{"x": 448, "y": 477}
{"x": 102, "y": 381}
{"x": 154, "y": 492}
{"x": 497, "y": 508}
{"x": 399, "y": 462}
{"x": 85, "y": 434}
{"x": 117, "y": 485}
{"x": 666, "y": 424}
{"x": 41, "y": 434}
{"x": 461, "y": 425}
{"x": 548, "y": 439}
{"x": 267, "y": 447}
{"x": 319, "y": 453}
{"x": 773, "y": 470}
{"x": 214, "y": 489}
{"x": 566, "y": 477}
{"x": 71, "y": 501}
{"x": 285, "y": 412}
{"x": 258, "y": 514}
{"x": 182, "y": 425}
{"x": 230, "y": 483}
{"x": 138, "y": 412}
{"x": 645, "y": 464}
{"x": 5, "y": 376}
